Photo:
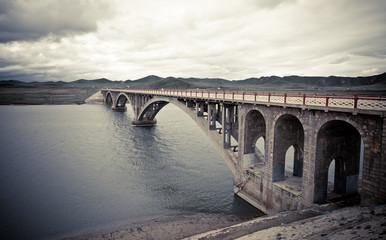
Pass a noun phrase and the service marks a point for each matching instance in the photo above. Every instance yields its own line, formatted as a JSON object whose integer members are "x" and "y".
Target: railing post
{"x": 223, "y": 95}
{"x": 304, "y": 99}
{"x": 355, "y": 101}
{"x": 243, "y": 96}
{"x": 327, "y": 101}
{"x": 255, "y": 96}
{"x": 233, "y": 96}
{"x": 285, "y": 98}
{"x": 269, "y": 97}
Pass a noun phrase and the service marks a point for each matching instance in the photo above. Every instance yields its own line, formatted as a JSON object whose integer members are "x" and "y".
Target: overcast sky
{"x": 44, "y": 40}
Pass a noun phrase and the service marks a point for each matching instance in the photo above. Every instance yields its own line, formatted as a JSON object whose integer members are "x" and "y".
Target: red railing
{"x": 364, "y": 102}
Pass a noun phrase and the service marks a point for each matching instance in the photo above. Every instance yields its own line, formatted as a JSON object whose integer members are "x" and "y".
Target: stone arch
{"x": 149, "y": 110}
{"x": 255, "y": 128}
{"x": 109, "y": 98}
{"x": 288, "y": 132}
{"x": 121, "y": 101}
{"x": 340, "y": 141}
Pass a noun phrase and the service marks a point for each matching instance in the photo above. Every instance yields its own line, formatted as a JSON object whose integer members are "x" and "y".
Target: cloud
{"x": 23, "y": 20}
{"x": 270, "y": 3}
{"x": 229, "y": 38}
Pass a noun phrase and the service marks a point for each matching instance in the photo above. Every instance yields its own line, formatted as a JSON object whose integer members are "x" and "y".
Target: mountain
{"x": 333, "y": 84}
{"x": 99, "y": 81}
{"x": 318, "y": 81}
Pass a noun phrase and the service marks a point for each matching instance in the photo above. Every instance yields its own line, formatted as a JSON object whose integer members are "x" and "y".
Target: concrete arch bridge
{"x": 319, "y": 132}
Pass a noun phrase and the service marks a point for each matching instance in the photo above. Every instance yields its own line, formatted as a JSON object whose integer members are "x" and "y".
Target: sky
{"x": 52, "y": 40}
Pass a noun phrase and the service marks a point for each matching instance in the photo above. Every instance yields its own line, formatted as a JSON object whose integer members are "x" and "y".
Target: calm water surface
{"x": 65, "y": 168}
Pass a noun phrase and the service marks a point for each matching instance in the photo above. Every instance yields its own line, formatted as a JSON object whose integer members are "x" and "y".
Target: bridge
{"x": 318, "y": 131}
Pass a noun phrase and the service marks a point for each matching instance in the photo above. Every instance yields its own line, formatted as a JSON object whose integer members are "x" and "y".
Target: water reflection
{"x": 65, "y": 168}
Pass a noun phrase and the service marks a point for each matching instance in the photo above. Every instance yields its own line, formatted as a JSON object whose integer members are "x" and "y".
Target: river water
{"x": 72, "y": 167}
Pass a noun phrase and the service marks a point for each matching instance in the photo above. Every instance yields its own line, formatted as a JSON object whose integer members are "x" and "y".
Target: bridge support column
{"x": 189, "y": 104}
{"x": 136, "y": 105}
{"x": 212, "y": 116}
{"x": 229, "y": 122}
{"x": 225, "y": 127}
{"x": 200, "y": 109}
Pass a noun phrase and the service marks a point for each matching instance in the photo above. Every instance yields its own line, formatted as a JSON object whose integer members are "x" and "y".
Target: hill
{"x": 18, "y": 92}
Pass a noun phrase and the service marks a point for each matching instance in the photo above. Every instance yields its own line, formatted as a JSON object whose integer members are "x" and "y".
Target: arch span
{"x": 154, "y": 105}
{"x": 340, "y": 141}
{"x": 150, "y": 110}
{"x": 120, "y": 103}
{"x": 109, "y": 98}
{"x": 255, "y": 128}
{"x": 288, "y": 132}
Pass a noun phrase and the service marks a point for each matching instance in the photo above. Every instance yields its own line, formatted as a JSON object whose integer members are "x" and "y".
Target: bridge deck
{"x": 344, "y": 103}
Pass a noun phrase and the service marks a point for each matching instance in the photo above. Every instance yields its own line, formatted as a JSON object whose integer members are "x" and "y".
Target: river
{"x": 70, "y": 167}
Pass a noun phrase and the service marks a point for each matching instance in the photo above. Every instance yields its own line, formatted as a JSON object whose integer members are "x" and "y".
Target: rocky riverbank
{"x": 172, "y": 226}
{"x": 346, "y": 223}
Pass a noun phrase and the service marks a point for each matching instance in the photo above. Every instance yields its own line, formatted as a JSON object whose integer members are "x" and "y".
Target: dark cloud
{"x": 31, "y": 20}
{"x": 20, "y": 76}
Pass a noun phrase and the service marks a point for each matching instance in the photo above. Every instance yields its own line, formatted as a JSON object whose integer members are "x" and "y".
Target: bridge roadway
{"x": 346, "y": 131}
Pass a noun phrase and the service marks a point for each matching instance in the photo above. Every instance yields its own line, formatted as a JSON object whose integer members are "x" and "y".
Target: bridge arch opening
{"x": 254, "y": 143}
{"x": 293, "y": 162}
{"x": 121, "y": 101}
{"x": 339, "y": 151}
{"x": 289, "y": 140}
{"x": 331, "y": 177}
{"x": 289, "y": 161}
{"x": 150, "y": 110}
{"x": 260, "y": 145}
{"x": 109, "y": 99}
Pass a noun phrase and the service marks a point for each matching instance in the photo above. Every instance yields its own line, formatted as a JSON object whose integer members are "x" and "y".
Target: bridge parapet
{"x": 326, "y": 102}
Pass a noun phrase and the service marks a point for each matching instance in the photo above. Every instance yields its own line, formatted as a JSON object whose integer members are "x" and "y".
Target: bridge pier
{"x": 212, "y": 116}
{"x": 143, "y": 123}
{"x": 119, "y": 108}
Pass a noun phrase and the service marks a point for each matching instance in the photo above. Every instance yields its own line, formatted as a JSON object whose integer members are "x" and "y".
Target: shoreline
{"x": 176, "y": 225}
{"x": 345, "y": 223}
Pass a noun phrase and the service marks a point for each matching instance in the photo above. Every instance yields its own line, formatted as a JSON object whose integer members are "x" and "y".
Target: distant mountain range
{"x": 370, "y": 84}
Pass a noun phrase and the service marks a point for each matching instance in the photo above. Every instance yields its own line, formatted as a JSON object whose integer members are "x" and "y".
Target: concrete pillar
{"x": 137, "y": 106}
{"x": 199, "y": 109}
{"x": 189, "y": 104}
{"x": 232, "y": 122}
{"x": 212, "y": 116}
{"x": 374, "y": 162}
{"x": 226, "y": 127}
{"x": 219, "y": 114}
{"x": 345, "y": 184}
{"x": 298, "y": 163}
{"x": 308, "y": 180}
